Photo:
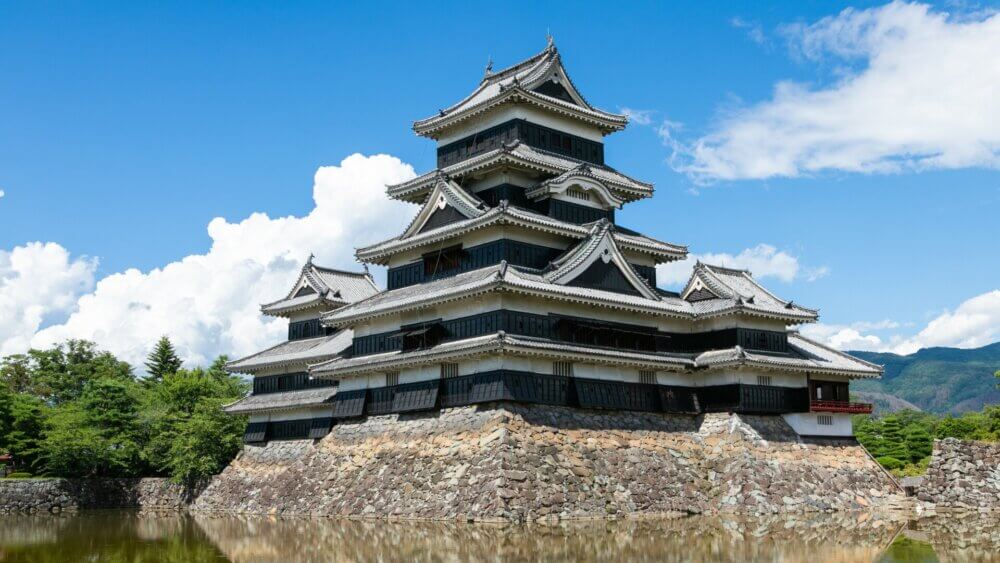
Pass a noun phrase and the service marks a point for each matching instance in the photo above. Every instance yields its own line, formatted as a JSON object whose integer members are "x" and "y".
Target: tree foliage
{"x": 904, "y": 441}
{"x": 75, "y": 411}
{"x": 163, "y": 360}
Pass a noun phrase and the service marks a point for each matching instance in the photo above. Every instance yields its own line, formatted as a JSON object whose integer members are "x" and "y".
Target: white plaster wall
{"x": 806, "y": 424}
{"x": 292, "y": 414}
{"x": 526, "y": 112}
{"x": 733, "y": 321}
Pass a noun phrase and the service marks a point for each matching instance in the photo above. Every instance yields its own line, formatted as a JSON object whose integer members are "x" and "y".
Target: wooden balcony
{"x": 840, "y": 406}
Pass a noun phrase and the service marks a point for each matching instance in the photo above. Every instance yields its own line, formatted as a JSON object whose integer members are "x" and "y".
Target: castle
{"x": 514, "y": 282}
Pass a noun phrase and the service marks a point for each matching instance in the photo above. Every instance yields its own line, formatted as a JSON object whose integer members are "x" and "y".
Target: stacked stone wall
{"x": 509, "y": 462}
{"x": 963, "y": 474}
{"x": 55, "y": 495}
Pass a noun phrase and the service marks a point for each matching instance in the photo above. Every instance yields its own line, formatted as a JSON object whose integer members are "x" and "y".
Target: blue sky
{"x": 126, "y": 128}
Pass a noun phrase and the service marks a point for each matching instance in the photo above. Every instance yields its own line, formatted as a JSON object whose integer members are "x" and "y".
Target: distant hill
{"x": 884, "y": 402}
{"x": 938, "y": 380}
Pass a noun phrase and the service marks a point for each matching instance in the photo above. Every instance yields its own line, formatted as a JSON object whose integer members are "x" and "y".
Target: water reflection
{"x": 129, "y": 536}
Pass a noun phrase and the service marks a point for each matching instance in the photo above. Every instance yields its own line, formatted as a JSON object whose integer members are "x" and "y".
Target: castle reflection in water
{"x": 131, "y": 536}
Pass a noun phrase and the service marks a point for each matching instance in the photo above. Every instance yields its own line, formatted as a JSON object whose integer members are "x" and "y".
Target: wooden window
{"x": 391, "y": 378}
{"x": 824, "y": 420}
{"x": 564, "y": 369}
{"x": 449, "y": 370}
{"x": 647, "y": 376}
{"x": 764, "y": 380}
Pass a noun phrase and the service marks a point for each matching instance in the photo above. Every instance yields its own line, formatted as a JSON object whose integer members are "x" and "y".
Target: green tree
{"x": 61, "y": 373}
{"x": 918, "y": 442}
{"x": 163, "y": 360}
{"x": 205, "y": 442}
{"x": 98, "y": 434}
{"x": 950, "y": 427}
{"x": 190, "y": 436}
{"x": 15, "y": 373}
{"x": 26, "y": 419}
{"x": 894, "y": 441}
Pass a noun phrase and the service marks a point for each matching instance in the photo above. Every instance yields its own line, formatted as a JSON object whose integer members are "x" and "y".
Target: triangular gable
{"x": 447, "y": 203}
{"x": 598, "y": 263}
{"x": 703, "y": 284}
{"x": 305, "y": 290}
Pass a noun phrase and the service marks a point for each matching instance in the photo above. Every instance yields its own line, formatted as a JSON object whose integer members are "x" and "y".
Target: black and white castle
{"x": 514, "y": 282}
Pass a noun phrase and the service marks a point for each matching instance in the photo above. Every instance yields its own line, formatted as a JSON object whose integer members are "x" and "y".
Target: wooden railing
{"x": 840, "y": 406}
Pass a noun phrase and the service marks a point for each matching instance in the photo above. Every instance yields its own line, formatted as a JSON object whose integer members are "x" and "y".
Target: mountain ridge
{"x": 940, "y": 379}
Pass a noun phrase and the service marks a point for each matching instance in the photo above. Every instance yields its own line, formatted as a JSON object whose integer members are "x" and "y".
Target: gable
{"x": 555, "y": 90}
{"x": 304, "y": 290}
{"x": 606, "y": 276}
{"x": 442, "y": 217}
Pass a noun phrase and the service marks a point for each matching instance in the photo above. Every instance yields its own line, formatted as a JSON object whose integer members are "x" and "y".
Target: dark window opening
{"x": 442, "y": 261}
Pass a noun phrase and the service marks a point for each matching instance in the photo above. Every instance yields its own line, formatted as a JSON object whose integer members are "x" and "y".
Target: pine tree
{"x": 919, "y": 443}
{"x": 893, "y": 440}
{"x": 162, "y": 360}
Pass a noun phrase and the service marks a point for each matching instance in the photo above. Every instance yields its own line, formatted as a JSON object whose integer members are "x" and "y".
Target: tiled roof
{"x": 583, "y": 177}
{"x": 279, "y": 401}
{"x": 516, "y": 84}
{"x": 737, "y": 288}
{"x": 330, "y": 287}
{"x": 805, "y": 355}
{"x": 523, "y": 156}
{"x": 445, "y": 192}
{"x": 502, "y": 277}
{"x": 567, "y": 267}
{"x": 295, "y": 353}
{"x": 510, "y": 215}
{"x": 499, "y": 342}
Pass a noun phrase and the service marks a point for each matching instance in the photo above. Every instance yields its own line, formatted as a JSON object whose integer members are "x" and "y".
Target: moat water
{"x": 165, "y": 537}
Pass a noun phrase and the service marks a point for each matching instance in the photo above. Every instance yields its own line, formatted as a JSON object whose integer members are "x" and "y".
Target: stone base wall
{"x": 963, "y": 474}
{"x": 55, "y": 495}
{"x": 512, "y": 462}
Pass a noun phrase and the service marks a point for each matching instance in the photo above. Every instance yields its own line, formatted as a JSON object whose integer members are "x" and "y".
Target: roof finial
{"x": 550, "y": 41}
{"x": 365, "y": 266}
{"x": 309, "y": 261}
{"x": 489, "y": 66}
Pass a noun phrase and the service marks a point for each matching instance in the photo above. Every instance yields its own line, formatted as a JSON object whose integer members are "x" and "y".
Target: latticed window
{"x": 449, "y": 370}
{"x": 824, "y": 420}
{"x": 764, "y": 380}
{"x": 578, "y": 194}
{"x": 391, "y": 378}
{"x": 564, "y": 369}
{"x": 647, "y": 376}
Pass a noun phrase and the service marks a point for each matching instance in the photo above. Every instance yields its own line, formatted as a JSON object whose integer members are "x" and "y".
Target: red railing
{"x": 840, "y": 406}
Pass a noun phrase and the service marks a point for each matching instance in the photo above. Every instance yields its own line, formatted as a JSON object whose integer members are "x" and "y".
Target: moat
{"x": 174, "y": 536}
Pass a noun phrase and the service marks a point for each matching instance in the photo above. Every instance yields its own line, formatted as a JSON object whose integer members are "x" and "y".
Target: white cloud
{"x": 2, "y": 193}
{"x": 38, "y": 281}
{"x": 843, "y": 337}
{"x": 763, "y": 260}
{"x": 917, "y": 90}
{"x": 638, "y": 116}
{"x": 753, "y": 30}
{"x": 976, "y": 322}
{"x": 208, "y": 303}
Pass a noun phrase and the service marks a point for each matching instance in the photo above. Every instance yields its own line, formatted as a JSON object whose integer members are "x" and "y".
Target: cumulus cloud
{"x": 2, "y": 193}
{"x": 851, "y": 337}
{"x": 38, "y": 281}
{"x": 763, "y": 260}
{"x": 915, "y": 89}
{"x": 975, "y": 323}
{"x": 208, "y": 303}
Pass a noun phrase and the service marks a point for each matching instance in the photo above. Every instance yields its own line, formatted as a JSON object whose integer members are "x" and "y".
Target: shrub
{"x": 20, "y": 475}
{"x": 890, "y": 462}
